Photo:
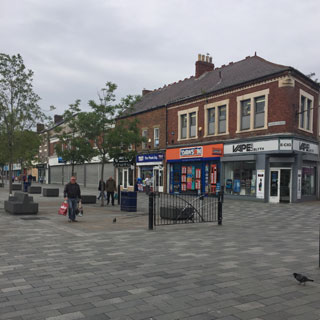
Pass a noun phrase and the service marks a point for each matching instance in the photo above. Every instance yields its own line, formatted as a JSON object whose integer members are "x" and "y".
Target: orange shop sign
{"x": 208, "y": 151}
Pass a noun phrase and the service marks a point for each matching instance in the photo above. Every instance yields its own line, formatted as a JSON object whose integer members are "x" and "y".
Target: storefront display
{"x": 308, "y": 181}
{"x": 194, "y": 169}
{"x": 240, "y": 178}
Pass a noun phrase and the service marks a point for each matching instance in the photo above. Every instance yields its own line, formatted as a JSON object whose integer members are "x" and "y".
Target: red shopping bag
{"x": 63, "y": 209}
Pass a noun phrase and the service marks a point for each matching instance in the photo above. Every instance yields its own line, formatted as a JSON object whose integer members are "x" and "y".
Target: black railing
{"x": 167, "y": 208}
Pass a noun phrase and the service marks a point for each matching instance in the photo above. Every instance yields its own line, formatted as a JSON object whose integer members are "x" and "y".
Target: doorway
{"x": 280, "y": 185}
{"x": 158, "y": 179}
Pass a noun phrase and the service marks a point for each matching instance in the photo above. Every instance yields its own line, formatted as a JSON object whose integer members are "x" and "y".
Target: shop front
{"x": 271, "y": 170}
{"x": 194, "y": 169}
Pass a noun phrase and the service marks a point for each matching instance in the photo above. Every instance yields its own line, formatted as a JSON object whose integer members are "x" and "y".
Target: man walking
{"x": 102, "y": 188}
{"x": 72, "y": 194}
{"x": 111, "y": 188}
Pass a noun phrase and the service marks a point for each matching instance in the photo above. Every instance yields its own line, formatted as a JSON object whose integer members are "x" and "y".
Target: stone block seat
{"x": 21, "y": 203}
{"x": 16, "y": 186}
{"x": 34, "y": 189}
{"x": 174, "y": 213}
{"x": 50, "y": 192}
{"x": 1, "y": 185}
{"x": 88, "y": 199}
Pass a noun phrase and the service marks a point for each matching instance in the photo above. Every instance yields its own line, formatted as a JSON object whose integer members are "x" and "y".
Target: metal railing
{"x": 166, "y": 209}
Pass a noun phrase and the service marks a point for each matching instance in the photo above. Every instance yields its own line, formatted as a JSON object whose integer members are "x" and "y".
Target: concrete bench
{"x": 88, "y": 199}
{"x": 52, "y": 192}
{"x": 1, "y": 185}
{"x": 16, "y": 186}
{"x": 34, "y": 189}
{"x": 21, "y": 203}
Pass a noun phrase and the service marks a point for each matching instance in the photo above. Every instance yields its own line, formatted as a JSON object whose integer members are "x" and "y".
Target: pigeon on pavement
{"x": 301, "y": 278}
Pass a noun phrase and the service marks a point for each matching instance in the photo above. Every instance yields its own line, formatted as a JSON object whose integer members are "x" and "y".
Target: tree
{"x": 73, "y": 146}
{"x": 19, "y": 109}
{"x": 99, "y": 125}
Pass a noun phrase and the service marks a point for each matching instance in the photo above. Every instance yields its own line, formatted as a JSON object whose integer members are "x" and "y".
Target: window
{"x": 308, "y": 181}
{"x": 306, "y": 111}
{"x": 144, "y": 134}
{"x": 192, "y": 126}
{"x": 216, "y": 118}
{"x": 183, "y": 122}
{"x": 222, "y": 119}
{"x": 156, "y": 137}
{"x": 245, "y": 114}
{"x": 259, "y": 104}
{"x": 188, "y": 123}
{"x": 211, "y": 121}
{"x": 253, "y": 111}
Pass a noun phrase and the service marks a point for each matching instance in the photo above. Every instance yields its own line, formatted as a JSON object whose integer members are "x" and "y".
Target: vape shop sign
{"x": 252, "y": 146}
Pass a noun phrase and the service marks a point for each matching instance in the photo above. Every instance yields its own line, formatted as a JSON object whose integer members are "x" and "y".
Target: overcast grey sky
{"x": 75, "y": 46}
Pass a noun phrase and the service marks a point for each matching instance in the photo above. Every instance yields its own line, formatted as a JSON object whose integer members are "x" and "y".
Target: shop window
{"x": 252, "y": 111}
{"x": 240, "y": 178}
{"x": 156, "y": 135}
{"x": 145, "y": 135}
{"x": 222, "y": 119}
{"x": 130, "y": 176}
{"x": 308, "y": 181}
{"x": 305, "y": 111}
{"x": 259, "y": 104}
{"x": 120, "y": 172}
{"x": 188, "y": 123}
{"x": 245, "y": 114}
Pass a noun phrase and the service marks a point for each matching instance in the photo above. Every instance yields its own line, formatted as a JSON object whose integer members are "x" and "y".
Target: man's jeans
{"x": 72, "y": 207}
{"x": 102, "y": 193}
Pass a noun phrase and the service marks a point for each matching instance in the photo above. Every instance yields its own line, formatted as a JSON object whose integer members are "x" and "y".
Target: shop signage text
{"x": 251, "y": 147}
{"x": 304, "y": 146}
{"x": 285, "y": 144}
{"x": 152, "y": 157}
{"x": 191, "y": 152}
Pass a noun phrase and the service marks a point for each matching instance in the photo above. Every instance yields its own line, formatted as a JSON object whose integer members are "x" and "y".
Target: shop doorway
{"x": 280, "y": 185}
{"x": 158, "y": 179}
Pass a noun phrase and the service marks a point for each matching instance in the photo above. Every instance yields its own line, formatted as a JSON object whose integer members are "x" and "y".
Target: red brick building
{"x": 251, "y": 127}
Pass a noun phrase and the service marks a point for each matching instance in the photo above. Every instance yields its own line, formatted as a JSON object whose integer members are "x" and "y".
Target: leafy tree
{"x": 99, "y": 125}
{"x": 73, "y": 147}
{"x": 19, "y": 109}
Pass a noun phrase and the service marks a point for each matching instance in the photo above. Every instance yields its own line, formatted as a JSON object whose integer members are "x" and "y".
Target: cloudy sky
{"x": 75, "y": 46}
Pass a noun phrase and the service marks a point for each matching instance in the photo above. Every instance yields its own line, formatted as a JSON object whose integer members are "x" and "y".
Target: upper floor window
{"x": 188, "y": 123}
{"x": 306, "y": 111}
{"x": 145, "y": 135}
{"x": 252, "y": 111}
{"x": 216, "y": 118}
{"x": 156, "y": 136}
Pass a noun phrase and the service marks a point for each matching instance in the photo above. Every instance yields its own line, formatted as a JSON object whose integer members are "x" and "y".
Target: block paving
{"x": 95, "y": 269}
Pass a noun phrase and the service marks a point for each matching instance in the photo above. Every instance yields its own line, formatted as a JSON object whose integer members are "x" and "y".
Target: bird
{"x": 114, "y": 220}
{"x": 301, "y": 278}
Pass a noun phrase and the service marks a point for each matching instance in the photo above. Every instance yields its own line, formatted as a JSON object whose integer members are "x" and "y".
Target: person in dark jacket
{"x": 102, "y": 188}
{"x": 111, "y": 188}
{"x": 72, "y": 194}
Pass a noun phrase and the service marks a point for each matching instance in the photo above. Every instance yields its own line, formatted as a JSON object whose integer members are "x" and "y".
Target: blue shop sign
{"x": 152, "y": 157}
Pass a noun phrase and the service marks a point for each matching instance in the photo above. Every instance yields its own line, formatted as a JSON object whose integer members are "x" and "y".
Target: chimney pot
{"x": 204, "y": 64}
{"x": 57, "y": 118}
{"x": 202, "y": 57}
{"x": 145, "y": 91}
{"x": 199, "y": 57}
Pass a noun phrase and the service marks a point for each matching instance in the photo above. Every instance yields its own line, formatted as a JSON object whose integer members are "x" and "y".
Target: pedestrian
{"x": 111, "y": 188}
{"x": 72, "y": 194}
{"x": 30, "y": 179}
{"x": 102, "y": 188}
{"x": 148, "y": 184}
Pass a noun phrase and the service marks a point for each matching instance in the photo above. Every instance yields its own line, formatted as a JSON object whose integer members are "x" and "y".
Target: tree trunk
{"x": 72, "y": 169}
{"x": 10, "y": 177}
{"x": 101, "y": 178}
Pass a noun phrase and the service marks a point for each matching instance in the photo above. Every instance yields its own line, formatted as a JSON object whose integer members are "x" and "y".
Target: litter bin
{"x": 128, "y": 201}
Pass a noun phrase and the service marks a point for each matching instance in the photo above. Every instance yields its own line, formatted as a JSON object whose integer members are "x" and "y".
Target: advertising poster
{"x": 260, "y": 184}
{"x": 299, "y": 185}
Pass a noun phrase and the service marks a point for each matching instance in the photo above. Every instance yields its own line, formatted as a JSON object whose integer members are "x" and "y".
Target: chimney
{"x": 57, "y": 118}
{"x": 40, "y": 127}
{"x": 145, "y": 91}
{"x": 204, "y": 64}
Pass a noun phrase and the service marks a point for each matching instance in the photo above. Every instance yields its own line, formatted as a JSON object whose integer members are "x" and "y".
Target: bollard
{"x": 151, "y": 211}
{"x": 118, "y": 194}
{"x": 220, "y": 198}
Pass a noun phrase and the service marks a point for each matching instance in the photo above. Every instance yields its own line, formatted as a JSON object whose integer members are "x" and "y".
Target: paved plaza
{"x": 96, "y": 269}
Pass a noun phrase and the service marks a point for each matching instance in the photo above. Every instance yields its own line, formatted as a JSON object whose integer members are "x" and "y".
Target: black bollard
{"x": 151, "y": 211}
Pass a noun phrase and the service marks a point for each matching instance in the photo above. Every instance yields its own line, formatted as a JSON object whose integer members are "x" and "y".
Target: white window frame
{"x": 308, "y": 96}
{"x": 251, "y": 97}
{"x": 187, "y": 112}
{"x": 154, "y": 137}
{"x": 216, "y": 106}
